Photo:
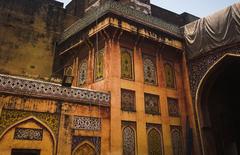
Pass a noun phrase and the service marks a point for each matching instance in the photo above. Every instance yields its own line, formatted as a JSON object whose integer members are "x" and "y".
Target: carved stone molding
{"x": 34, "y": 88}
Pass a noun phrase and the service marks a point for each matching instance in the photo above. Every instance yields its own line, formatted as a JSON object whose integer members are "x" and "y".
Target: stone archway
{"x": 217, "y": 107}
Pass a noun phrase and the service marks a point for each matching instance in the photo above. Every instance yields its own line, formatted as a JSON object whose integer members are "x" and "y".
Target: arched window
{"x": 155, "y": 146}
{"x": 128, "y": 141}
{"x": 99, "y": 60}
{"x": 83, "y": 72}
{"x": 126, "y": 64}
{"x": 177, "y": 143}
{"x": 169, "y": 75}
{"x": 149, "y": 70}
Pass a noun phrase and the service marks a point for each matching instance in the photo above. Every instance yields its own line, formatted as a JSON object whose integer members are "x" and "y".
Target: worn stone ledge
{"x": 34, "y": 88}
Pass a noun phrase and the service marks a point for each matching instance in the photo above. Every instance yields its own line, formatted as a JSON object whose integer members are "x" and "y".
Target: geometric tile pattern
{"x": 86, "y": 123}
{"x": 28, "y": 134}
{"x": 35, "y": 88}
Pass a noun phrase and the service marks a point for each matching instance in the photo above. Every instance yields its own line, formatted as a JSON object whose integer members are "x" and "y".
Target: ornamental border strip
{"x": 41, "y": 89}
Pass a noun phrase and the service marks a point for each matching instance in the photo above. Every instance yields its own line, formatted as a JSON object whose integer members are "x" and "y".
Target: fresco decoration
{"x": 35, "y": 88}
{"x": 9, "y": 117}
{"x": 86, "y": 123}
{"x": 149, "y": 68}
{"x": 28, "y": 134}
{"x": 99, "y": 65}
{"x": 177, "y": 141}
{"x": 128, "y": 100}
{"x": 151, "y": 104}
{"x": 127, "y": 64}
{"x": 83, "y": 70}
{"x": 173, "y": 107}
{"x": 169, "y": 75}
{"x": 96, "y": 141}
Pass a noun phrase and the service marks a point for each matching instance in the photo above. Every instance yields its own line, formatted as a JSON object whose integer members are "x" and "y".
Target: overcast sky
{"x": 200, "y": 8}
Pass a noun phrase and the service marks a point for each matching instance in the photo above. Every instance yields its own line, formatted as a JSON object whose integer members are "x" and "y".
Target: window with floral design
{"x": 151, "y": 104}
{"x": 127, "y": 64}
{"x": 99, "y": 65}
{"x": 149, "y": 67}
{"x": 177, "y": 143}
{"x": 128, "y": 100}
{"x": 83, "y": 67}
{"x": 169, "y": 75}
{"x": 173, "y": 107}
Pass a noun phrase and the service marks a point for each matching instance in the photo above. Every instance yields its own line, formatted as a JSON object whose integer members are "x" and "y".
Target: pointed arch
{"x": 155, "y": 143}
{"x": 36, "y": 120}
{"x": 201, "y": 120}
{"x": 129, "y": 140}
{"x": 87, "y": 146}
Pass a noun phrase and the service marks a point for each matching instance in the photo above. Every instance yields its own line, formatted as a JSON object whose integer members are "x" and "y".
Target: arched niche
{"x": 216, "y": 107}
{"x": 46, "y": 144}
{"x": 85, "y": 148}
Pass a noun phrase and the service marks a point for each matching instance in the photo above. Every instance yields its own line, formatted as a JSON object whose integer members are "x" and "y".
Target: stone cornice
{"x": 34, "y": 88}
{"x": 124, "y": 11}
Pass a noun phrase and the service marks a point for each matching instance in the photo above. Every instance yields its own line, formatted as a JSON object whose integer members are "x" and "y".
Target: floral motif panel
{"x": 155, "y": 146}
{"x": 173, "y": 109}
{"x": 169, "y": 75}
{"x": 87, "y": 123}
{"x": 99, "y": 60}
{"x": 28, "y": 134}
{"x": 83, "y": 72}
{"x": 177, "y": 143}
{"x": 128, "y": 141}
{"x": 68, "y": 70}
{"x": 150, "y": 72}
{"x": 151, "y": 104}
{"x": 126, "y": 64}
{"x": 128, "y": 100}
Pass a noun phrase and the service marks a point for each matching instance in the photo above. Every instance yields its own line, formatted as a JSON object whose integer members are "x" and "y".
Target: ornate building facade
{"x": 104, "y": 77}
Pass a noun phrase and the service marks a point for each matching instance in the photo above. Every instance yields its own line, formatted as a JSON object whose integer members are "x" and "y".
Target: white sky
{"x": 200, "y": 8}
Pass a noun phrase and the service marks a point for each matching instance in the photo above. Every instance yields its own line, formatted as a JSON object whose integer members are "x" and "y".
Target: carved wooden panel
{"x": 169, "y": 75}
{"x": 83, "y": 70}
{"x": 99, "y": 65}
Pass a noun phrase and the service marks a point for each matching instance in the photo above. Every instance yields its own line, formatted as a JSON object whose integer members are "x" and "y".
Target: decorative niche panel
{"x": 28, "y": 134}
{"x": 83, "y": 70}
{"x": 129, "y": 137}
{"x": 149, "y": 68}
{"x": 128, "y": 100}
{"x": 127, "y": 71}
{"x": 155, "y": 140}
{"x": 173, "y": 107}
{"x": 151, "y": 104}
{"x": 169, "y": 75}
{"x": 99, "y": 65}
{"x": 177, "y": 142}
